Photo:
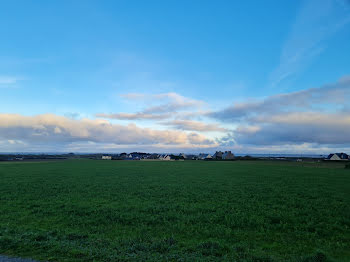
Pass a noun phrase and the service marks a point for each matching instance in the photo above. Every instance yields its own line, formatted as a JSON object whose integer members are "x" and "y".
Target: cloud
{"x": 6, "y": 81}
{"x": 169, "y": 102}
{"x": 322, "y": 98}
{"x": 295, "y": 149}
{"x": 194, "y": 126}
{"x": 160, "y": 106}
{"x": 318, "y": 128}
{"x": 58, "y": 131}
{"x": 134, "y": 116}
{"x": 315, "y": 23}
{"x": 173, "y": 102}
{"x": 134, "y": 96}
{"x": 154, "y": 148}
{"x": 316, "y": 116}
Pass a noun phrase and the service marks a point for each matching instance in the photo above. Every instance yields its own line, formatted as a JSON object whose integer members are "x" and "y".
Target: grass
{"x": 85, "y": 210}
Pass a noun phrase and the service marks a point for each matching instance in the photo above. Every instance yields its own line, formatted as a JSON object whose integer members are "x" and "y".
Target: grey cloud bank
{"x": 317, "y": 116}
{"x": 298, "y": 128}
{"x": 326, "y": 97}
{"x": 315, "y": 119}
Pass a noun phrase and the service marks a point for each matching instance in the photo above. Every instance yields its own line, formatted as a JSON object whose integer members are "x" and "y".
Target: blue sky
{"x": 162, "y": 74}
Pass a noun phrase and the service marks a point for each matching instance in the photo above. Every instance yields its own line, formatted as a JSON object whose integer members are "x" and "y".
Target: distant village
{"x": 227, "y": 155}
{"x": 217, "y": 156}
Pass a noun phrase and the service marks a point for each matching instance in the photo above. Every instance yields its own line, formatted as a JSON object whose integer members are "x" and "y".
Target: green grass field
{"x": 87, "y": 210}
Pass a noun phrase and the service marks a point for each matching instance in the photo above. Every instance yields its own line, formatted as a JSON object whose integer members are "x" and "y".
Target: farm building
{"x": 125, "y": 156}
{"x": 192, "y": 157}
{"x": 228, "y": 155}
{"x": 154, "y": 156}
{"x": 338, "y": 156}
{"x": 204, "y": 156}
{"x": 218, "y": 155}
{"x": 106, "y": 157}
{"x": 165, "y": 157}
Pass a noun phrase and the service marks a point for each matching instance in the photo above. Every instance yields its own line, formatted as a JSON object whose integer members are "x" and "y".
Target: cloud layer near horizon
{"x": 53, "y": 129}
{"x": 316, "y": 115}
{"x": 312, "y": 120}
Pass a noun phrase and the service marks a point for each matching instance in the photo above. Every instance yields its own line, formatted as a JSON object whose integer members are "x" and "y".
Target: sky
{"x": 255, "y": 77}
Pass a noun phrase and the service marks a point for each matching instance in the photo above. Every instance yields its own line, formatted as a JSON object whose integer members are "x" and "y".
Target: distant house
{"x": 107, "y": 157}
{"x": 126, "y": 156}
{"x": 135, "y": 156}
{"x": 182, "y": 156}
{"x": 202, "y": 156}
{"x": 338, "y": 156}
{"x": 153, "y": 156}
{"x": 205, "y": 156}
{"x": 228, "y": 155}
{"x": 165, "y": 157}
{"x": 192, "y": 157}
{"x": 139, "y": 155}
{"x": 218, "y": 155}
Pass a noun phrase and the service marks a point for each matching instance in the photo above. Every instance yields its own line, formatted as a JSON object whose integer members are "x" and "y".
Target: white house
{"x": 338, "y": 156}
{"x": 106, "y": 157}
{"x": 165, "y": 157}
{"x": 218, "y": 155}
{"x": 204, "y": 156}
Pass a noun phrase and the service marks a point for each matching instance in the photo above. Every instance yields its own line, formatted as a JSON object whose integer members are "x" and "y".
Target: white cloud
{"x": 327, "y": 97}
{"x": 6, "y": 81}
{"x": 134, "y": 116}
{"x": 159, "y": 107}
{"x": 58, "y": 131}
{"x": 134, "y": 96}
{"x": 167, "y": 102}
{"x": 315, "y": 23}
{"x": 194, "y": 126}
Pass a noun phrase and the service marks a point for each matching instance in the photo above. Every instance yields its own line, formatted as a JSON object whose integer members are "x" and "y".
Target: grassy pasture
{"x": 85, "y": 210}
